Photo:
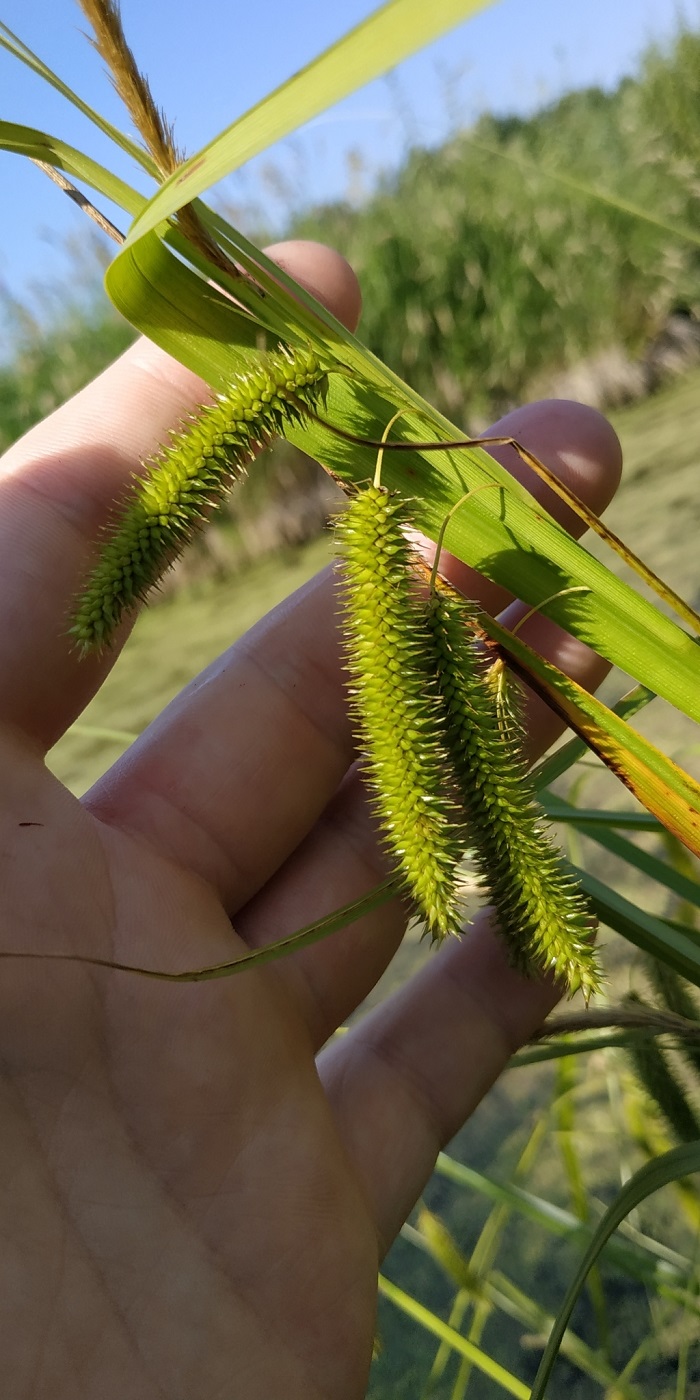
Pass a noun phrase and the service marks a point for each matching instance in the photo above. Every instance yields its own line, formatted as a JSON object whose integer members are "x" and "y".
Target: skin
{"x": 194, "y": 1194}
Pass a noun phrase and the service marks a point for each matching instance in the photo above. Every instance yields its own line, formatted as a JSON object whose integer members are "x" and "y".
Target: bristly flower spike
{"x": 541, "y": 912}
{"x": 396, "y": 704}
{"x": 184, "y": 479}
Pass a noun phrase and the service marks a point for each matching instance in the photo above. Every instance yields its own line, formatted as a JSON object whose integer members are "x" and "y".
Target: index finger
{"x": 58, "y": 487}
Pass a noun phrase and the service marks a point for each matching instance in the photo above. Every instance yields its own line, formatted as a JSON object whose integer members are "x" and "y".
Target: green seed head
{"x": 542, "y": 914}
{"x": 185, "y": 479}
{"x": 396, "y": 704}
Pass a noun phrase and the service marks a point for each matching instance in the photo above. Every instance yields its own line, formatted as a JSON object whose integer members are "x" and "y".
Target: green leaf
{"x": 495, "y": 1290}
{"x": 38, "y": 145}
{"x": 560, "y": 811}
{"x": 600, "y": 831}
{"x": 270, "y": 952}
{"x": 676, "y": 945}
{"x": 168, "y": 302}
{"x": 673, "y": 1166}
{"x": 501, "y": 533}
{"x": 564, "y": 757}
{"x": 640, "y": 1257}
{"x": 576, "y": 1044}
{"x": 664, "y": 789}
{"x": 434, "y": 1324}
{"x": 388, "y": 36}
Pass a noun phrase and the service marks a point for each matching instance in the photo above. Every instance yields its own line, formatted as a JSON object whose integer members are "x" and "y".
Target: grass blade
{"x": 501, "y": 534}
{"x": 673, "y": 1166}
{"x": 663, "y": 788}
{"x": 303, "y": 938}
{"x": 642, "y": 1258}
{"x": 38, "y": 145}
{"x": 678, "y": 946}
{"x": 20, "y": 50}
{"x": 558, "y": 810}
{"x": 434, "y": 1324}
{"x": 385, "y": 38}
{"x": 559, "y": 762}
{"x": 596, "y": 828}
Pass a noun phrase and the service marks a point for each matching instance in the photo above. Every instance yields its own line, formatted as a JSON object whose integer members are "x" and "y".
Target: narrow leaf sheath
{"x": 184, "y": 479}
{"x": 397, "y": 708}
{"x": 541, "y": 912}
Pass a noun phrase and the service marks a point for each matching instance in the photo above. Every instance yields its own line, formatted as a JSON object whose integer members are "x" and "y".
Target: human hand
{"x": 193, "y": 1205}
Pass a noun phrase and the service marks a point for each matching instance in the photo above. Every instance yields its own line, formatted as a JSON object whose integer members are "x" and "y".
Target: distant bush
{"x": 50, "y": 363}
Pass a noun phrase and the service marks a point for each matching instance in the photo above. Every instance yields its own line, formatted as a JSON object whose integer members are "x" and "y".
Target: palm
{"x": 214, "y": 1177}
{"x": 193, "y": 1204}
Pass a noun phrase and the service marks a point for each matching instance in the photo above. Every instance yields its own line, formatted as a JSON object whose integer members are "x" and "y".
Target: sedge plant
{"x": 278, "y": 362}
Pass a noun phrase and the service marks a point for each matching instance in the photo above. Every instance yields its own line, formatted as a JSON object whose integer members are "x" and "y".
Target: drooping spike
{"x": 185, "y": 479}
{"x": 542, "y": 914}
{"x": 396, "y": 704}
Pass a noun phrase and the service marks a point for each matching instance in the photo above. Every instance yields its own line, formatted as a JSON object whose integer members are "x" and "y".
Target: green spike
{"x": 183, "y": 480}
{"x": 542, "y": 914}
{"x": 396, "y": 704}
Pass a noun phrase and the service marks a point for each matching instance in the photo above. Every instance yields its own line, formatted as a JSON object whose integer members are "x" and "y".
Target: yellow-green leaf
{"x": 39, "y": 145}
{"x": 663, "y": 788}
{"x": 20, "y": 50}
{"x": 391, "y": 34}
{"x": 502, "y": 533}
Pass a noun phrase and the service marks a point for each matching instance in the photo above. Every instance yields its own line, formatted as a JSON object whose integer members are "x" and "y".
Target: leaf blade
{"x": 22, "y": 52}
{"x": 674, "y": 1165}
{"x": 40, "y": 145}
{"x": 378, "y": 43}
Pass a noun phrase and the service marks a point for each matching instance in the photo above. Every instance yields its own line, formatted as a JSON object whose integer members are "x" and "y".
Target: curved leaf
{"x": 166, "y": 300}
{"x": 663, "y": 788}
{"x": 503, "y": 534}
{"x": 673, "y": 1166}
{"x": 639, "y": 1256}
{"x": 39, "y": 145}
{"x": 270, "y": 952}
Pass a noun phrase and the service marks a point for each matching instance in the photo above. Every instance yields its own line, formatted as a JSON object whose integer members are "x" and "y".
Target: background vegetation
{"x": 485, "y": 276}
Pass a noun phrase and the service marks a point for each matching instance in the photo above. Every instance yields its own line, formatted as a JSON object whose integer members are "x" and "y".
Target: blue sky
{"x": 209, "y": 62}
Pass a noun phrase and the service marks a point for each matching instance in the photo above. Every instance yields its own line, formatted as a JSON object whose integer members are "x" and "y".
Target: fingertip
{"x": 323, "y": 272}
{"x": 576, "y": 441}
